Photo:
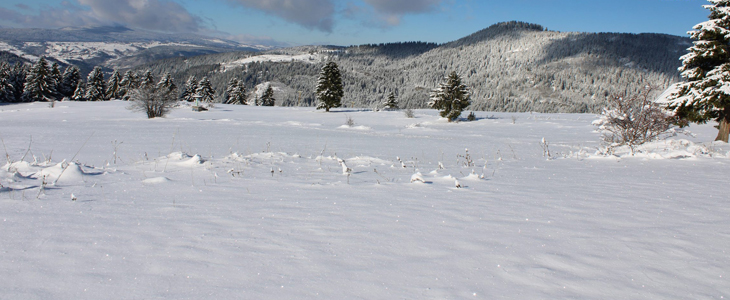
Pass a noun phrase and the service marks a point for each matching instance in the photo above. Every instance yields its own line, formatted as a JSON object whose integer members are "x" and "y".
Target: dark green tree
{"x": 114, "y": 86}
{"x": 236, "y": 93}
{"x": 129, "y": 82}
{"x": 80, "y": 92}
{"x": 704, "y": 95}
{"x": 70, "y": 80}
{"x": 267, "y": 99}
{"x": 329, "y": 87}
{"x": 391, "y": 102}
{"x": 205, "y": 91}
{"x": 39, "y": 83}
{"x": 452, "y": 97}
{"x": 189, "y": 89}
{"x": 95, "y": 86}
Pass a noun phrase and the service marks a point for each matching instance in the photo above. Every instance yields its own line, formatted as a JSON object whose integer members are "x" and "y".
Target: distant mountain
{"x": 512, "y": 66}
{"x": 110, "y": 46}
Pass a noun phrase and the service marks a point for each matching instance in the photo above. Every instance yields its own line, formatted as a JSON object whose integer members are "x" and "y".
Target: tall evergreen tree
{"x": 39, "y": 84}
{"x": 17, "y": 78}
{"x": 114, "y": 86}
{"x": 189, "y": 89}
{"x": 166, "y": 85}
{"x": 232, "y": 84}
{"x": 329, "y": 87}
{"x": 452, "y": 97}
{"x": 128, "y": 83}
{"x": 391, "y": 102}
{"x": 205, "y": 91}
{"x": 6, "y": 88}
{"x": 57, "y": 78}
{"x": 146, "y": 80}
{"x": 95, "y": 85}
{"x": 267, "y": 99}
{"x": 705, "y": 94}
{"x": 79, "y": 92}
{"x": 70, "y": 80}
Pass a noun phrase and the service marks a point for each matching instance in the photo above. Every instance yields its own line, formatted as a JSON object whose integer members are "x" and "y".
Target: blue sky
{"x": 348, "y": 22}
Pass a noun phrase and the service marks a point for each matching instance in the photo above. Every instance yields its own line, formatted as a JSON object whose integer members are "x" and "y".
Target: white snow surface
{"x": 304, "y": 57}
{"x": 66, "y": 51}
{"x": 245, "y": 202}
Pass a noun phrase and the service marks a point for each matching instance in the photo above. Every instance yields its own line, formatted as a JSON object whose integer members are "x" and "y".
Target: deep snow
{"x": 248, "y": 202}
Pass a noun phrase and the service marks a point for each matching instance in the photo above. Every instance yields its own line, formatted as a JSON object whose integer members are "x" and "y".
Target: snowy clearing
{"x": 245, "y": 202}
{"x": 305, "y": 57}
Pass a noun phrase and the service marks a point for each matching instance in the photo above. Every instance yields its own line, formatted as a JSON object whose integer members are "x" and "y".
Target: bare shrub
{"x": 409, "y": 113}
{"x": 349, "y": 121}
{"x": 633, "y": 120}
{"x": 156, "y": 102}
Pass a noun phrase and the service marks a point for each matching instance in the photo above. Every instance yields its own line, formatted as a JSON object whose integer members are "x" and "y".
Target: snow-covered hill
{"x": 246, "y": 202}
{"x": 113, "y": 47}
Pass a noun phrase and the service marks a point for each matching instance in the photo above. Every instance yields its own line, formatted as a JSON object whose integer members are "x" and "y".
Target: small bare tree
{"x": 155, "y": 101}
{"x": 633, "y": 120}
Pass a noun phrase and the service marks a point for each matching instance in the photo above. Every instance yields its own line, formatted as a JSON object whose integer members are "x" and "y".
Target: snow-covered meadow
{"x": 248, "y": 202}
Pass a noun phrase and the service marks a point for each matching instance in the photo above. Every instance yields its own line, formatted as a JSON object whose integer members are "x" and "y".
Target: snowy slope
{"x": 254, "y": 203}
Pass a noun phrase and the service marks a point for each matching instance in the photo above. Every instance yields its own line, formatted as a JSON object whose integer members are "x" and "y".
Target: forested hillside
{"x": 510, "y": 66}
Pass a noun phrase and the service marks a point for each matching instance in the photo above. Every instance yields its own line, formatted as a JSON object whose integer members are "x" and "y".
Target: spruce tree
{"x": 166, "y": 85}
{"x": 267, "y": 99}
{"x": 114, "y": 86}
{"x": 232, "y": 84}
{"x": 6, "y": 88}
{"x": 57, "y": 78}
{"x": 17, "y": 78}
{"x": 205, "y": 91}
{"x": 70, "y": 80}
{"x": 704, "y": 95}
{"x": 39, "y": 83}
{"x": 95, "y": 85}
{"x": 329, "y": 87}
{"x": 452, "y": 97}
{"x": 146, "y": 80}
{"x": 79, "y": 92}
{"x": 189, "y": 89}
{"x": 391, "y": 102}
{"x": 236, "y": 93}
{"x": 127, "y": 84}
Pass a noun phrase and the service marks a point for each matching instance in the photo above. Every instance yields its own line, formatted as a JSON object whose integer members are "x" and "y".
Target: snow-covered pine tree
{"x": 391, "y": 102}
{"x": 705, "y": 93}
{"x": 127, "y": 84}
{"x": 79, "y": 92}
{"x": 267, "y": 99}
{"x": 205, "y": 91}
{"x": 70, "y": 80}
{"x": 237, "y": 94}
{"x": 146, "y": 80}
{"x": 17, "y": 79}
{"x": 452, "y": 97}
{"x": 95, "y": 86}
{"x": 114, "y": 86}
{"x": 39, "y": 84}
{"x": 166, "y": 83}
{"x": 189, "y": 89}
{"x": 57, "y": 78}
{"x": 329, "y": 87}
{"x": 232, "y": 84}
{"x": 6, "y": 88}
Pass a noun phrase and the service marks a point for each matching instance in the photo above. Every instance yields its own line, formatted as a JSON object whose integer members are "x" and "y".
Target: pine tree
{"x": 329, "y": 88}
{"x": 146, "y": 80}
{"x": 18, "y": 75}
{"x": 267, "y": 99}
{"x": 236, "y": 93}
{"x": 70, "y": 80}
{"x": 205, "y": 91}
{"x": 704, "y": 95}
{"x": 95, "y": 85}
{"x": 189, "y": 90}
{"x": 232, "y": 84}
{"x": 391, "y": 102}
{"x": 39, "y": 84}
{"x": 114, "y": 86}
{"x": 452, "y": 97}
{"x": 166, "y": 85}
{"x": 57, "y": 78}
{"x": 79, "y": 92}
{"x": 6, "y": 88}
{"x": 128, "y": 83}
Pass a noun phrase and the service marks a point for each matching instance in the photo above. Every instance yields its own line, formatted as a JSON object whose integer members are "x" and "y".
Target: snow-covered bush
{"x": 633, "y": 120}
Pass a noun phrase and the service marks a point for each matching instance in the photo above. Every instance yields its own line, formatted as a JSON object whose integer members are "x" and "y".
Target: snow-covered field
{"x": 304, "y": 57}
{"x": 253, "y": 203}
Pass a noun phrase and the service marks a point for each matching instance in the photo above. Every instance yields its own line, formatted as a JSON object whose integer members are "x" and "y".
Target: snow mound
{"x": 72, "y": 173}
{"x": 156, "y": 180}
{"x": 366, "y": 161}
{"x": 183, "y": 159}
{"x": 360, "y": 127}
{"x": 669, "y": 149}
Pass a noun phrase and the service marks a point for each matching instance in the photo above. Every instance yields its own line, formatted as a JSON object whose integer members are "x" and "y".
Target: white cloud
{"x": 311, "y": 14}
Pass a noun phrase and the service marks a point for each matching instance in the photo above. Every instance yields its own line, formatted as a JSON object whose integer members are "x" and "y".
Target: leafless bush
{"x": 349, "y": 121}
{"x": 633, "y": 120}
{"x": 409, "y": 113}
{"x": 156, "y": 102}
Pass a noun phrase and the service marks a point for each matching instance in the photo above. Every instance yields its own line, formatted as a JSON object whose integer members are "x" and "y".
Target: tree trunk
{"x": 722, "y": 135}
